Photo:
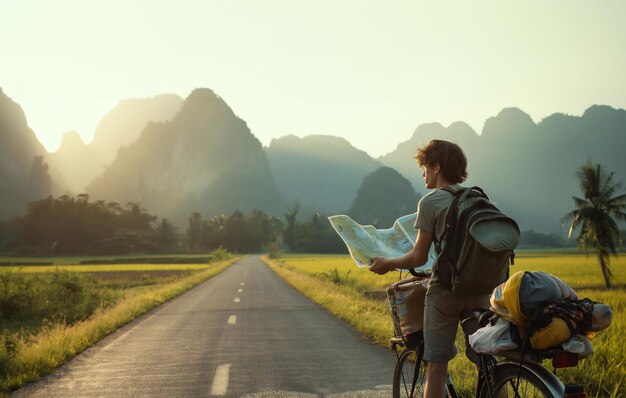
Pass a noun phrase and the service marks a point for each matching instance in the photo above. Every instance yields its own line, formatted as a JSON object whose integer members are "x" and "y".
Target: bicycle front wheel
{"x": 409, "y": 375}
{"x": 510, "y": 382}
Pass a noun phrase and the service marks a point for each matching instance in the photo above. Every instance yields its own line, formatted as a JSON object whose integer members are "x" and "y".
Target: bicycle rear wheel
{"x": 507, "y": 384}
{"x": 409, "y": 375}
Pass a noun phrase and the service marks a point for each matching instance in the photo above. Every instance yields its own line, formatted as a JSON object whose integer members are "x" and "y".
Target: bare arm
{"x": 416, "y": 257}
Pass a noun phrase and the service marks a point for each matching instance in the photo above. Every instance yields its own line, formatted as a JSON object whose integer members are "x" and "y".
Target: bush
{"x": 19, "y": 294}
{"x": 64, "y": 295}
{"x": 71, "y": 296}
{"x": 274, "y": 250}
{"x": 8, "y": 347}
{"x": 220, "y": 254}
{"x": 336, "y": 277}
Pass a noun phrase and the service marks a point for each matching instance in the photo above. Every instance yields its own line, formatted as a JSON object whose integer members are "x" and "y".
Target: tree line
{"x": 78, "y": 226}
{"x": 74, "y": 225}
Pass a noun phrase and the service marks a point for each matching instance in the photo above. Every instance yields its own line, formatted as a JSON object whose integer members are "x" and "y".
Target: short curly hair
{"x": 449, "y": 156}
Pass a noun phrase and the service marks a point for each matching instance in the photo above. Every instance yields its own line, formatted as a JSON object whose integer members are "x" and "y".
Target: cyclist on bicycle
{"x": 444, "y": 165}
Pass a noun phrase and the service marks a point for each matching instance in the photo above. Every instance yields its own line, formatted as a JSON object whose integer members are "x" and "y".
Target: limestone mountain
{"x": 383, "y": 196}
{"x": 528, "y": 168}
{"x": 24, "y": 174}
{"x": 80, "y": 163}
{"x": 320, "y": 172}
{"x": 205, "y": 159}
{"x": 124, "y": 123}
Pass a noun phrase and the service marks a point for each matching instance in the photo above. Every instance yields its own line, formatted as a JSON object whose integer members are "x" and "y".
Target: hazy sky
{"x": 367, "y": 71}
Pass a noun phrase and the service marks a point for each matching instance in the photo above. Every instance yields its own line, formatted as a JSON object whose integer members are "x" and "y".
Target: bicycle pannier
{"x": 406, "y": 303}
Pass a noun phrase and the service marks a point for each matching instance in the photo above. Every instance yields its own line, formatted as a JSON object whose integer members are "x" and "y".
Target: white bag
{"x": 493, "y": 338}
{"x": 580, "y": 345}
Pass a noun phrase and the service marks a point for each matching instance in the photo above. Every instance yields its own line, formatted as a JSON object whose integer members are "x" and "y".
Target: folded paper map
{"x": 365, "y": 241}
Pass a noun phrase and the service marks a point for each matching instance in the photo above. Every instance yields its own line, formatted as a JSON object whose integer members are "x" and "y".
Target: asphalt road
{"x": 244, "y": 332}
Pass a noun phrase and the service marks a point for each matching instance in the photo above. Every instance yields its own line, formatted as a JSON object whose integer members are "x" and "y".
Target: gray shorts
{"x": 442, "y": 313}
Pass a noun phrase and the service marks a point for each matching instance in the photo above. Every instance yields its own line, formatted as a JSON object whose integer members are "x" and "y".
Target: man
{"x": 444, "y": 165}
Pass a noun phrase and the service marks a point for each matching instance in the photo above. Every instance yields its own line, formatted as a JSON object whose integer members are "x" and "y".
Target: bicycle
{"x": 508, "y": 374}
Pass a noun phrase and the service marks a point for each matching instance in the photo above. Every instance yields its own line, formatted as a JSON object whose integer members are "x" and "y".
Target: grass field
{"x": 33, "y": 269}
{"x": 358, "y": 297}
{"x": 49, "y": 314}
{"x": 71, "y": 260}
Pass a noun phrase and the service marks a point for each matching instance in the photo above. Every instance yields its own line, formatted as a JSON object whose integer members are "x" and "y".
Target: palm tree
{"x": 166, "y": 235}
{"x": 598, "y": 214}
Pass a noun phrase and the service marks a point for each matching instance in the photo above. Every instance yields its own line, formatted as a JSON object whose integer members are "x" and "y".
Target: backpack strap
{"x": 453, "y": 209}
{"x": 474, "y": 191}
{"x": 451, "y": 215}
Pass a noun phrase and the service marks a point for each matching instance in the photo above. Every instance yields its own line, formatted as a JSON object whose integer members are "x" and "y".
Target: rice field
{"x": 37, "y": 269}
{"x": 358, "y": 297}
{"x": 74, "y": 260}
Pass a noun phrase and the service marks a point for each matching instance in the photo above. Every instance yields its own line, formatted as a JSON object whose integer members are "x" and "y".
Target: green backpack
{"x": 479, "y": 243}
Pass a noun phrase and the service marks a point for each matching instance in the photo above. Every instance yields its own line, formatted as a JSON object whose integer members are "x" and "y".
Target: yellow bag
{"x": 525, "y": 292}
{"x": 552, "y": 335}
{"x": 547, "y": 309}
{"x": 505, "y": 299}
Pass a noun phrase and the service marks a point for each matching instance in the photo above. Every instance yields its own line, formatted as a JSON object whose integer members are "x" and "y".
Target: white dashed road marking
{"x": 240, "y": 290}
{"x": 242, "y": 283}
{"x": 237, "y": 300}
{"x": 232, "y": 319}
{"x": 220, "y": 381}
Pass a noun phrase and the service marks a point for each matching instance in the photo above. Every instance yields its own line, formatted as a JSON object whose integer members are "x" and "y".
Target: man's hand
{"x": 379, "y": 265}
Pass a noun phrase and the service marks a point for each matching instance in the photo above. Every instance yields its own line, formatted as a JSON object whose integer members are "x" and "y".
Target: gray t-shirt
{"x": 431, "y": 213}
